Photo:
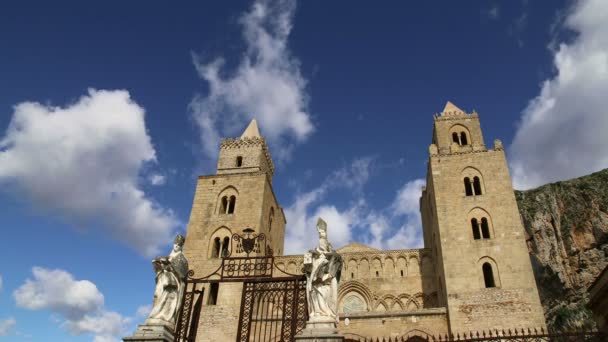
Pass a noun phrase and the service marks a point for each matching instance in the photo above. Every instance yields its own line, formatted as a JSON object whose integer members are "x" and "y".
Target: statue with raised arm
{"x": 322, "y": 267}
{"x": 171, "y": 274}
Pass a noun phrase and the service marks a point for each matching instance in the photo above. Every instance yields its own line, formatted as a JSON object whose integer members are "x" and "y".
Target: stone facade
{"x": 473, "y": 273}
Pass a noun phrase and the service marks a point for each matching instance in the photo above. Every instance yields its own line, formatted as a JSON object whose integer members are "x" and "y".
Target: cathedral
{"x": 473, "y": 273}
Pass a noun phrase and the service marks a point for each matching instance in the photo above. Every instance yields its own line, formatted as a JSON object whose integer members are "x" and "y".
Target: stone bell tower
{"x": 472, "y": 224}
{"x": 238, "y": 196}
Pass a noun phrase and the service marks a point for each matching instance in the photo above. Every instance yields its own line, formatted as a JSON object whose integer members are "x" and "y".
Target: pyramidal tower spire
{"x": 252, "y": 130}
{"x": 451, "y": 109}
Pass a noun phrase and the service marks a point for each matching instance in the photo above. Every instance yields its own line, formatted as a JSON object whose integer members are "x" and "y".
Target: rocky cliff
{"x": 567, "y": 234}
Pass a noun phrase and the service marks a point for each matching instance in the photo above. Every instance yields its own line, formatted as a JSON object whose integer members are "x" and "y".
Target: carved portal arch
{"x": 357, "y": 287}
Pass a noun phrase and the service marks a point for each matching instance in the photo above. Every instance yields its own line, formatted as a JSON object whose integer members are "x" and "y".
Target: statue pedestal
{"x": 320, "y": 330}
{"x": 151, "y": 333}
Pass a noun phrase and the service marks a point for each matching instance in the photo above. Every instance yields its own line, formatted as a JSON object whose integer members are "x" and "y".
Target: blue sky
{"x": 110, "y": 110}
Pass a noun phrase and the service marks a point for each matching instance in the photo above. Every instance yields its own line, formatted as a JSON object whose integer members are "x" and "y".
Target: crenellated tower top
{"x": 247, "y": 154}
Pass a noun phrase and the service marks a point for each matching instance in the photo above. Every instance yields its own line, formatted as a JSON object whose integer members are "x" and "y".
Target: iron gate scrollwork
{"x": 187, "y": 322}
{"x": 272, "y": 309}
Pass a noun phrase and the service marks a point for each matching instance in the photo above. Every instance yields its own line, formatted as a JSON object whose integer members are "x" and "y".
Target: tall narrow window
{"x": 270, "y": 219}
{"x": 215, "y": 252}
{"x": 463, "y": 138}
{"x": 224, "y": 205}
{"x": 455, "y": 138}
{"x": 468, "y": 189}
{"x": 231, "y": 205}
{"x": 477, "y": 185}
{"x": 225, "y": 245}
{"x": 213, "y": 291}
{"x": 485, "y": 229}
{"x": 488, "y": 275}
{"x": 239, "y": 161}
{"x": 475, "y": 226}
{"x": 352, "y": 275}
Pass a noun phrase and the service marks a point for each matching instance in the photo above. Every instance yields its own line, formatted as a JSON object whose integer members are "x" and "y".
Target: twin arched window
{"x": 460, "y": 139}
{"x": 227, "y": 205}
{"x": 480, "y": 230}
{"x": 220, "y": 247}
{"x": 472, "y": 188}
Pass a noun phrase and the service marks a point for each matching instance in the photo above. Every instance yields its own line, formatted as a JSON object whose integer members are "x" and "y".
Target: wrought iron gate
{"x": 272, "y": 309}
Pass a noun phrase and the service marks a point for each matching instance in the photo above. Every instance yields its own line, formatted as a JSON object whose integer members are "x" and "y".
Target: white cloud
{"x": 157, "y": 179}
{"x": 303, "y": 213}
{"x": 398, "y": 227}
{"x": 105, "y": 325}
{"x": 6, "y": 326}
{"x": 58, "y": 291}
{"x": 562, "y": 133}
{"x": 266, "y": 85}
{"x": 82, "y": 161}
{"x": 79, "y": 302}
{"x": 408, "y": 198}
{"x": 406, "y": 211}
{"x": 143, "y": 311}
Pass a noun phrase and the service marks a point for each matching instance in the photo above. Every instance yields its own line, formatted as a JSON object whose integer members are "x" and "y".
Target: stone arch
{"x": 381, "y": 306}
{"x": 413, "y": 265}
{"x": 376, "y": 268}
{"x": 219, "y": 235}
{"x": 292, "y": 267}
{"x": 353, "y": 302}
{"x": 460, "y": 135}
{"x": 352, "y": 272}
{"x": 486, "y": 260}
{"x": 412, "y": 304}
{"x": 225, "y": 199}
{"x": 402, "y": 266}
{"x": 476, "y": 215}
{"x": 389, "y": 267}
{"x": 420, "y": 299}
{"x": 392, "y": 303}
{"x": 417, "y": 335}
{"x": 473, "y": 174}
{"x": 354, "y": 286}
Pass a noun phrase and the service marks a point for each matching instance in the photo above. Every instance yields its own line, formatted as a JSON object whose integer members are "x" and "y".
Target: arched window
{"x": 485, "y": 228}
{"x": 475, "y": 226}
{"x": 224, "y": 205}
{"x": 225, "y": 244}
{"x": 215, "y": 252}
{"x": 239, "y": 161}
{"x": 231, "y": 205}
{"x": 455, "y": 138}
{"x": 463, "y": 139}
{"x": 477, "y": 185}
{"x": 488, "y": 275}
{"x": 468, "y": 189}
{"x": 270, "y": 219}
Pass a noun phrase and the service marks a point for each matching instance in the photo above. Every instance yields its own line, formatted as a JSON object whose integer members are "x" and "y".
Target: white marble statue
{"x": 171, "y": 274}
{"x": 322, "y": 266}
